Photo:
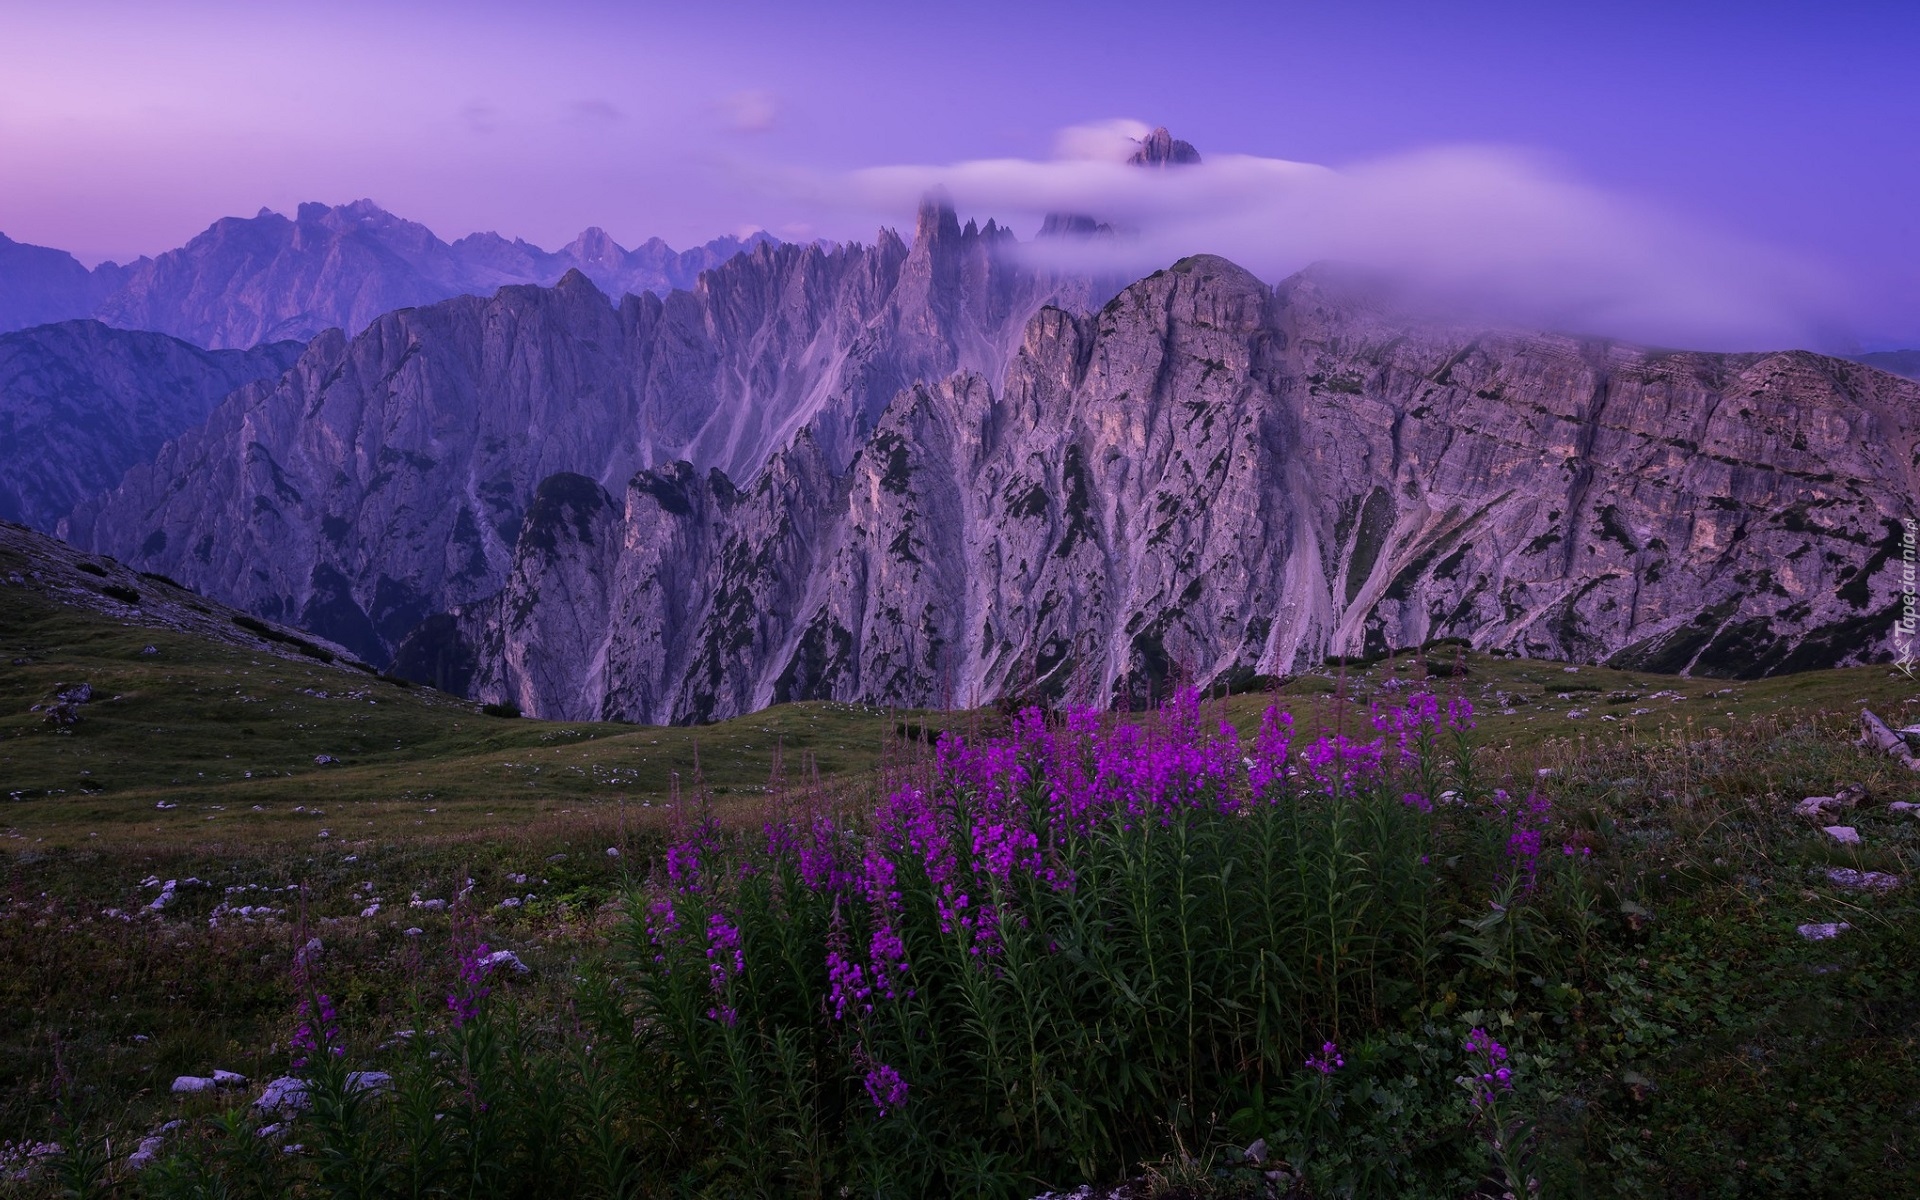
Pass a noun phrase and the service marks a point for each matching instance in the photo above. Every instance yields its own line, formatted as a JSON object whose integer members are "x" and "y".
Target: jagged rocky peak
{"x": 1162, "y": 149}
{"x": 1157, "y": 150}
{"x": 385, "y": 481}
{"x": 1210, "y": 479}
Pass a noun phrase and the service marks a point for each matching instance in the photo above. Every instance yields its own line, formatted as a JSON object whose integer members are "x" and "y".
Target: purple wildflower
{"x": 319, "y": 1030}
{"x": 1328, "y": 1060}
{"x": 1490, "y": 1073}
{"x": 1524, "y": 842}
{"x": 464, "y": 1001}
{"x": 1339, "y": 764}
{"x": 884, "y": 1086}
{"x": 725, "y": 960}
{"x": 1267, "y": 765}
{"x": 1460, "y": 714}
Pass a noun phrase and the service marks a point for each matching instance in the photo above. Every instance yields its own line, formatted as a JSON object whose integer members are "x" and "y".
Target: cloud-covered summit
{"x": 1482, "y": 233}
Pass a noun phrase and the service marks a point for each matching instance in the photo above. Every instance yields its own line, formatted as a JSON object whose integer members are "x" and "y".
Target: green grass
{"x": 1752, "y": 1062}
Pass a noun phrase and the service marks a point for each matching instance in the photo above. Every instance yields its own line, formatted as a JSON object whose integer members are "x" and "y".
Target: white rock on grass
{"x": 285, "y": 1094}
{"x": 1815, "y": 806}
{"x": 229, "y": 1079}
{"x": 143, "y": 1157}
{"x": 1822, "y": 932}
{"x": 1862, "y": 881}
{"x": 504, "y": 959}
{"x": 1846, "y": 835}
{"x": 187, "y": 1085}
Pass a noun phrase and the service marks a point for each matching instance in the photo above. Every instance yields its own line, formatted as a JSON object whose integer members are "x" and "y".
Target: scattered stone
{"x": 63, "y": 712}
{"x": 369, "y": 1081}
{"x": 285, "y": 1094}
{"x": 1862, "y": 881}
{"x": 556, "y": 857}
{"x": 1816, "y": 806}
{"x": 324, "y": 760}
{"x": 165, "y": 897}
{"x": 1851, "y": 795}
{"x": 143, "y": 1157}
{"x": 1902, "y": 806}
{"x": 506, "y": 959}
{"x": 1822, "y": 932}
{"x": 510, "y": 902}
{"x": 1875, "y": 735}
{"x": 613, "y": 852}
{"x": 149, "y": 651}
{"x": 186, "y": 1085}
{"x": 413, "y": 931}
{"x": 1846, "y": 835}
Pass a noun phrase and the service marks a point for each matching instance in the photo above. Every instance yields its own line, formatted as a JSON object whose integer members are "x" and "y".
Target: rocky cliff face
{"x": 1210, "y": 479}
{"x": 387, "y": 477}
{"x": 81, "y": 403}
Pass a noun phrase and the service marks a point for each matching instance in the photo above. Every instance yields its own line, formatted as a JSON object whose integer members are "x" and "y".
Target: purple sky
{"x": 125, "y": 128}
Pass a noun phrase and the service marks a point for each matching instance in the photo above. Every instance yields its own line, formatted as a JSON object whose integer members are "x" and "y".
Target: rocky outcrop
{"x": 1210, "y": 479}
{"x": 81, "y": 403}
{"x": 386, "y": 478}
{"x": 1162, "y": 149}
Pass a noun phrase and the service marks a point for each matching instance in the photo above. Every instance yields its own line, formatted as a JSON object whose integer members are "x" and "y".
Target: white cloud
{"x": 1484, "y": 233}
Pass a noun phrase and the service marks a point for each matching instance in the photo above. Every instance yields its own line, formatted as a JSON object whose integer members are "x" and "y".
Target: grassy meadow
{"x": 1679, "y": 1037}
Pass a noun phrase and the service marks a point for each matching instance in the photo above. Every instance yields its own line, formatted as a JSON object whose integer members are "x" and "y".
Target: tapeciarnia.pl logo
{"x": 1909, "y": 621}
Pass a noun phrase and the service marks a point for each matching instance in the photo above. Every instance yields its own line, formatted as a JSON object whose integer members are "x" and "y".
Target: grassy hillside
{"x": 435, "y": 825}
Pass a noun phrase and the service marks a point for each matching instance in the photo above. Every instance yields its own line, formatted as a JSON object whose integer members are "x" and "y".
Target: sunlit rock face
{"x": 1208, "y": 479}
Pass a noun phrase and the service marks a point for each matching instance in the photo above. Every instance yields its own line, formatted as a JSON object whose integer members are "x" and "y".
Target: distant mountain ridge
{"x": 249, "y": 280}
{"x": 39, "y": 285}
{"x": 1894, "y": 362}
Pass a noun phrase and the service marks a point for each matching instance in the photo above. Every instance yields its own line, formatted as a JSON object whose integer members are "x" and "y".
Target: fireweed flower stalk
{"x": 1489, "y": 1085}
{"x": 317, "y": 1032}
{"x": 1016, "y": 915}
{"x": 470, "y": 989}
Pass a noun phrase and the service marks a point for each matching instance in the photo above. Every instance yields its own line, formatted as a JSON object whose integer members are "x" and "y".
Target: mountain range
{"x": 386, "y": 477}
{"x": 927, "y": 471}
{"x": 1897, "y": 362}
{"x": 249, "y": 280}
